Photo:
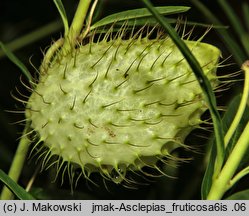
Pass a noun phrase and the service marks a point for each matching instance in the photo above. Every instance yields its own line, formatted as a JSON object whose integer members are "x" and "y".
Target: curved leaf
{"x": 14, "y": 187}
{"x": 138, "y": 14}
{"x": 16, "y": 61}
{"x": 207, "y": 179}
{"x": 242, "y": 195}
{"x": 151, "y": 21}
{"x": 33, "y": 36}
{"x": 63, "y": 14}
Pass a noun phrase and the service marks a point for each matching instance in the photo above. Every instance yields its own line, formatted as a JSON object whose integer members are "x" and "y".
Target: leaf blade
{"x": 207, "y": 179}
{"x": 16, "y": 61}
{"x": 14, "y": 187}
{"x": 137, "y": 14}
{"x": 242, "y": 195}
{"x": 63, "y": 14}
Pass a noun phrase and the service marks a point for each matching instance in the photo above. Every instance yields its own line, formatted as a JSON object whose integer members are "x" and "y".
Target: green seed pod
{"x": 117, "y": 105}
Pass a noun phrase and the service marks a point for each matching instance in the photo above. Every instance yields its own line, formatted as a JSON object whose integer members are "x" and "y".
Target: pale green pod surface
{"x": 120, "y": 104}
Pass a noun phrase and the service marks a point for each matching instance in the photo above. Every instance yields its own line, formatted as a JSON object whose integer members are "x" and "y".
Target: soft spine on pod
{"x": 118, "y": 105}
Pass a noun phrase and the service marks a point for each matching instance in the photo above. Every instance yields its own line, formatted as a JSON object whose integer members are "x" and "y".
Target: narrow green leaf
{"x": 17, "y": 162}
{"x": 245, "y": 7}
{"x": 245, "y": 41}
{"x": 138, "y": 13}
{"x": 242, "y": 195}
{"x": 33, "y": 36}
{"x": 207, "y": 179}
{"x": 14, "y": 187}
{"x": 151, "y": 21}
{"x": 63, "y": 14}
{"x": 16, "y": 61}
{"x": 201, "y": 78}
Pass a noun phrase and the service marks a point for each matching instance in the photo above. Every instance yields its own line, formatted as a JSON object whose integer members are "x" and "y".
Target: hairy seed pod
{"x": 117, "y": 105}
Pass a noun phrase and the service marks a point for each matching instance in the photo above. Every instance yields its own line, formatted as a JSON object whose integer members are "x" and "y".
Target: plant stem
{"x": 17, "y": 164}
{"x": 89, "y": 21}
{"x": 240, "y": 111}
{"x": 77, "y": 25}
{"x": 223, "y": 181}
{"x": 239, "y": 175}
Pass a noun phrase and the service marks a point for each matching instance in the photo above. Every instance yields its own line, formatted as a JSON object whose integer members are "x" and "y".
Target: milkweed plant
{"x": 115, "y": 100}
